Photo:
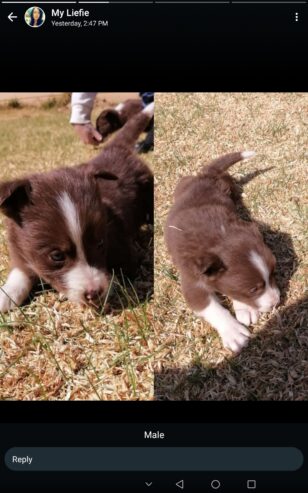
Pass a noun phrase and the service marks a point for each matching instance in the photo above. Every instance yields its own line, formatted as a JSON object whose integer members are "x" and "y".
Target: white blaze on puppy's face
{"x": 82, "y": 278}
{"x": 270, "y": 296}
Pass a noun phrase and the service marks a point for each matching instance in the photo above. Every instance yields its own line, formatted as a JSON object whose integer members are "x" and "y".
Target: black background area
{"x": 198, "y": 434}
{"x": 160, "y": 47}
{"x": 155, "y": 412}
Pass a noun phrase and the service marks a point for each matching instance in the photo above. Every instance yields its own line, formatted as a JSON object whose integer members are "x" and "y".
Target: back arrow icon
{"x": 180, "y": 484}
{"x": 148, "y": 484}
{"x": 11, "y": 16}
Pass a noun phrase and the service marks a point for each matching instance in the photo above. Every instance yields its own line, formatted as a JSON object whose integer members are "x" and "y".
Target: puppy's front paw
{"x": 15, "y": 290}
{"x": 235, "y": 336}
{"x": 6, "y": 304}
{"x": 245, "y": 314}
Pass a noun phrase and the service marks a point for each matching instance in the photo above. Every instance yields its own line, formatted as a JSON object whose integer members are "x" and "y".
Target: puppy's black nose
{"x": 92, "y": 294}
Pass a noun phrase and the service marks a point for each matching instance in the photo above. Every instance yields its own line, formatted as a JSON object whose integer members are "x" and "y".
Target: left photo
{"x": 76, "y": 246}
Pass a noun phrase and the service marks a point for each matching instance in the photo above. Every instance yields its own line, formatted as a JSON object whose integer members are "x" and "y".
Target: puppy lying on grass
{"x": 72, "y": 226}
{"x": 217, "y": 252}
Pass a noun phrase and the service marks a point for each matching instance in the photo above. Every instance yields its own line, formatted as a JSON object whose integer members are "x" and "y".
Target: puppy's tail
{"x": 130, "y": 132}
{"x": 221, "y": 164}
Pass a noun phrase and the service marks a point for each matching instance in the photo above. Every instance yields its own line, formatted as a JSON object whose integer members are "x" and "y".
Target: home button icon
{"x": 215, "y": 484}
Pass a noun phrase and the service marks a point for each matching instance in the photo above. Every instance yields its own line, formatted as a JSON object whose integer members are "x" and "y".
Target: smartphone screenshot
{"x": 153, "y": 246}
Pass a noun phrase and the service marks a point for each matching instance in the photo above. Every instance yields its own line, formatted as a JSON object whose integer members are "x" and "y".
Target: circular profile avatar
{"x": 35, "y": 17}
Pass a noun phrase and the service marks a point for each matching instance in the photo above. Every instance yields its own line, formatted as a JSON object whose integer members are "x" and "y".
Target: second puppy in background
{"x": 217, "y": 252}
{"x": 111, "y": 119}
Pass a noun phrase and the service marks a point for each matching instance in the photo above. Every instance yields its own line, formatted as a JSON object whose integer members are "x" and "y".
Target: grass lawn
{"x": 191, "y": 129}
{"x": 51, "y": 348}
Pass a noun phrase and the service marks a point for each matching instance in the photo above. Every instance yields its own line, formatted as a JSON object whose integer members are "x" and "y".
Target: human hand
{"x": 87, "y": 133}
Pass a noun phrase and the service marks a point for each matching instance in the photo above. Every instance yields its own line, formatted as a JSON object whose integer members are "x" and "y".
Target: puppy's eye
{"x": 57, "y": 256}
{"x": 101, "y": 245}
{"x": 257, "y": 288}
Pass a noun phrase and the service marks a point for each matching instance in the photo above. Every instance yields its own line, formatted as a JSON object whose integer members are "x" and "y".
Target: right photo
{"x": 231, "y": 246}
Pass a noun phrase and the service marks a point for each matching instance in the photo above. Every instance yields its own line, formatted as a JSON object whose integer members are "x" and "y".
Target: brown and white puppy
{"x": 217, "y": 252}
{"x": 72, "y": 226}
{"x": 111, "y": 119}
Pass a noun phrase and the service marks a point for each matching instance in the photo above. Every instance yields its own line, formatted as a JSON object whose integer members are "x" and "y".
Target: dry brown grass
{"x": 53, "y": 349}
{"x": 191, "y": 129}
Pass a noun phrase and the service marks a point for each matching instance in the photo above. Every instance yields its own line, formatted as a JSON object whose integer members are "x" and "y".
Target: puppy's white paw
{"x": 6, "y": 304}
{"x": 245, "y": 314}
{"x": 15, "y": 290}
{"x": 235, "y": 336}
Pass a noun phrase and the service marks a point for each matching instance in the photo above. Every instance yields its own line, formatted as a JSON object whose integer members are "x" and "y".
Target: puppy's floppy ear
{"x": 105, "y": 175}
{"x": 213, "y": 267}
{"x": 14, "y": 195}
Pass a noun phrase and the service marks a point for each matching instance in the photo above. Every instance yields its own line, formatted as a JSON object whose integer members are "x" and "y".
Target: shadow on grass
{"x": 273, "y": 366}
{"x": 129, "y": 293}
{"x": 280, "y": 243}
